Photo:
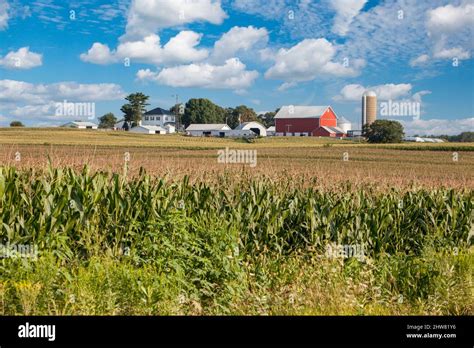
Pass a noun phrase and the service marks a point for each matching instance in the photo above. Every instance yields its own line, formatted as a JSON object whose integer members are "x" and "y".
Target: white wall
{"x": 158, "y": 120}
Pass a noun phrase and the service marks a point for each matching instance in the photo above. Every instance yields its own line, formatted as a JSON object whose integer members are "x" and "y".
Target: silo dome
{"x": 370, "y": 94}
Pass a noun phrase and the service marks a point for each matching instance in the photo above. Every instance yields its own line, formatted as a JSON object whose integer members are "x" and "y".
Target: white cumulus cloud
{"x": 99, "y": 54}
{"x": 450, "y": 18}
{"x": 309, "y": 59}
{"x": 354, "y": 92}
{"x": 14, "y": 92}
{"x": 237, "y": 39}
{"x": 37, "y": 102}
{"x": 231, "y": 75}
{"x": 179, "y": 49}
{"x": 145, "y": 17}
{"x": 21, "y": 59}
{"x": 451, "y": 29}
{"x": 438, "y": 126}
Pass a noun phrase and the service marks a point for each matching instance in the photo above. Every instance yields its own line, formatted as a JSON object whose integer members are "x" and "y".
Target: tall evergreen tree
{"x": 136, "y": 107}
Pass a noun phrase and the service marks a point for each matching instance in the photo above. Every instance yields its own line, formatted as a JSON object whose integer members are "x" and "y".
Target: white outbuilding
{"x": 271, "y": 131}
{"x": 423, "y": 140}
{"x": 208, "y": 130}
{"x": 255, "y": 127}
{"x": 81, "y": 125}
{"x": 170, "y": 128}
{"x": 148, "y": 130}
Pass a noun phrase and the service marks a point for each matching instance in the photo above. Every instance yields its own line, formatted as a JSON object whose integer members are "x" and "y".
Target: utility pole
{"x": 288, "y": 128}
{"x": 176, "y": 111}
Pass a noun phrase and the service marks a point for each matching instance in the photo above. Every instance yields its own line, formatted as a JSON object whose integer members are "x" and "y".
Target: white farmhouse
{"x": 81, "y": 125}
{"x": 158, "y": 117}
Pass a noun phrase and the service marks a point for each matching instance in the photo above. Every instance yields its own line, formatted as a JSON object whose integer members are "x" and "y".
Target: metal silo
{"x": 369, "y": 108}
{"x": 344, "y": 124}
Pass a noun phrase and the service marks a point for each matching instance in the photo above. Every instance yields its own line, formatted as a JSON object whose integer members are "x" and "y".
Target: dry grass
{"x": 313, "y": 166}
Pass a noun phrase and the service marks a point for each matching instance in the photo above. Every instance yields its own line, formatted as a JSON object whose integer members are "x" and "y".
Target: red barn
{"x": 308, "y": 120}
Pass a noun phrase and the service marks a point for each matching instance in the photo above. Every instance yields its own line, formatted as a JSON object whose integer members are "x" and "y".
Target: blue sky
{"x": 263, "y": 54}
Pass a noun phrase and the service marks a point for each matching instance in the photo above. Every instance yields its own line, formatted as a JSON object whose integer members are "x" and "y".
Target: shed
{"x": 81, "y": 125}
{"x": 208, "y": 129}
{"x": 148, "y": 130}
{"x": 255, "y": 127}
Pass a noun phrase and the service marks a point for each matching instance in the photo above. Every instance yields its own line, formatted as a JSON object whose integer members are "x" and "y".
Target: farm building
{"x": 344, "y": 124}
{"x": 207, "y": 130}
{"x": 170, "y": 128}
{"x": 158, "y": 117}
{"x": 120, "y": 125}
{"x": 81, "y": 125}
{"x": 271, "y": 131}
{"x": 148, "y": 130}
{"x": 308, "y": 121}
{"x": 255, "y": 127}
{"x": 424, "y": 140}
{"x": 238, "y": 133}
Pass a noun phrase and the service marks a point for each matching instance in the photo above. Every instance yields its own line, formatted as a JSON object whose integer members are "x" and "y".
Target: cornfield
{"x": 112, "y": 244}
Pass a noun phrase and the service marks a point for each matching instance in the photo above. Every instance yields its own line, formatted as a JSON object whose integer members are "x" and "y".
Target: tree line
{"x": 195, "y": 110}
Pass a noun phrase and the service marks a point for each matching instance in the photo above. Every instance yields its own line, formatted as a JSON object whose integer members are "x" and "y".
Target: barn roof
{"x": 291, "y": 111}
{"x": 207, "y": 127}
{"x": 152, "y": 128}
{"x": 80, "y": 123}
{"x": 246, "y": 125}
{"x": 333, "y": 129}
{"x": 159, "y": 111}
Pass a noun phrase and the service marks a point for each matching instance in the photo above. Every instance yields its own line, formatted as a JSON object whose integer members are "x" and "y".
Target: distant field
{"x": 314, "y": 161}
{"x": 63, "y": 136}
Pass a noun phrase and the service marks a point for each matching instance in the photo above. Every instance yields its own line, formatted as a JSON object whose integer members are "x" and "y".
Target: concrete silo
{"x": 369, "y": 108}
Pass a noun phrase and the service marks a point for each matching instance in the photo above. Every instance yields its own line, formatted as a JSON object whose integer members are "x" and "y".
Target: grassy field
{"x": 172, "y": 231}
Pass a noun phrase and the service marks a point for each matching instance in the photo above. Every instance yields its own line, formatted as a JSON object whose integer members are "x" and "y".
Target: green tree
{"x": 16, "y": 124}
{"x": 384, "y": 131}
{"x": 464, "y": 137}
{"x": 127, "y": 113}
{"x": 107, "y": 121}
{"x": 202, "y": 111}
{"x": 268, "y": 118}
{"x": 240, "y": 114}
{"x": 135, "y": 108}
